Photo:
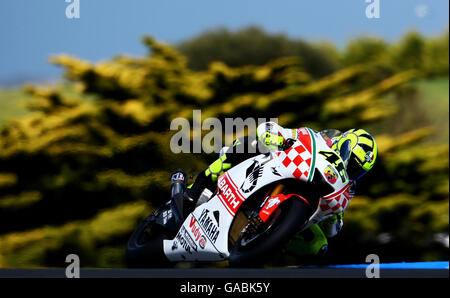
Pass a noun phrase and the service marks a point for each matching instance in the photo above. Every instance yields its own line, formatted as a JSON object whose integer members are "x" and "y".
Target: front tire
{"x": 292, "y": 215}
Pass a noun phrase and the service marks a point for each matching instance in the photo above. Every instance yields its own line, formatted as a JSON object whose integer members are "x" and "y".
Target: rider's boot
{"x": 179, "y": 195}
{"x": 178, "y": 183}
{"x": 206, "y": 181}
{"x": 312, "y": 242}
{"x": 332, "y": 225}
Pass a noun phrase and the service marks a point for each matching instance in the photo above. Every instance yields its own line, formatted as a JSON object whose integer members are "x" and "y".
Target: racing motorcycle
{"x": 252, "y": 214}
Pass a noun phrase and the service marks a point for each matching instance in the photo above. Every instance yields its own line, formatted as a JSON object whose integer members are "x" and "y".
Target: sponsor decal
{"x": 266, "y": 213}
{"x": 166, "y": 216}
{"x": 185, "y": 241}
{"x": 275, "y": 172}
{"x": 270, "y": 206}
{"x": 229, "y": 194}
{"x": 369, "y": 157}
{"x": 202, "y": 242}
{"x": 177, "y": 176}
{"x": 217, "y": 216}
{"x": 272, "y": 202}
{"x": 331, "y": 175}
{"x": 194, "y": 228}
{"x": 253, "y": 172}
{"x": 209, "y": 227}
{"x": 175, "y": 245}
{"x": 336, "y": 161}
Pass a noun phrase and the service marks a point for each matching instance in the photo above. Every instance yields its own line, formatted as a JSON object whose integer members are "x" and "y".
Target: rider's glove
{"x": 287, "y": 144}
{"x": 271, "y": 140}
{"x": 274, "y": 137}
{"x": 274, "y": 141}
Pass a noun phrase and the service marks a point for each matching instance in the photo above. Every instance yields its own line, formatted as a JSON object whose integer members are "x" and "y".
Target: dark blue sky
{"x": 31, "y": 30}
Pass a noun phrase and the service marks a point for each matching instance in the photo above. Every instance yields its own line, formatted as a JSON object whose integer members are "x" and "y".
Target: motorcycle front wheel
{"x": 254, "y": 249}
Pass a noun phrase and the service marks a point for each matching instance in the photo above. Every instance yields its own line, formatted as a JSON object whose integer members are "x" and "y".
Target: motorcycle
{"x": 251, "y": 215}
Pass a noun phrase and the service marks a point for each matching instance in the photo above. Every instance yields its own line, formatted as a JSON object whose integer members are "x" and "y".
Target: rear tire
{"x": 148, "y": 253}
{"x": 293, "y": 215}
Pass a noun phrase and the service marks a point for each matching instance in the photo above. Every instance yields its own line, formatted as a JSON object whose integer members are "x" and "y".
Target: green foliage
{"x": 410, "y": 52}
{"x": 11, "y": 104}
{"x": 365, "y": 50}
{"x": 254, "y": 46}
{"x": 429, "y": 56}
{"x": 75, "y": 174}
{"x": 436, "y": 55}
{"x": 47, "y": 246}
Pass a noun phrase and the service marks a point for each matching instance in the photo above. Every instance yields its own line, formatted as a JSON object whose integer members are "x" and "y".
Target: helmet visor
{"x": 354, "y": 169}
{"x": 345, "y": 151}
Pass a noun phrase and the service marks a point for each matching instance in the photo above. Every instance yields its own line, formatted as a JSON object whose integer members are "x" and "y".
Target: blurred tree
{"x": 410, "y": 52}
{"x": 365, "y": 50}
{"x": 436, "y": 55}
{"x": 253, "y": 46}
{"x": 413, "y": 51}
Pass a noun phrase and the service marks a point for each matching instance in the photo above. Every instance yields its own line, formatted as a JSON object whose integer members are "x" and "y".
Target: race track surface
{"x": 226, "y": 273}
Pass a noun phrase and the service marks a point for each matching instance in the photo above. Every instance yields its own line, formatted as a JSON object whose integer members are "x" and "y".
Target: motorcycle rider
{"x": 356, "y": 147}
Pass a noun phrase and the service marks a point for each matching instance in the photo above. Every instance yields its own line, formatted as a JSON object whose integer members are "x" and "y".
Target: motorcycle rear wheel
{"x": 145, "y": 246}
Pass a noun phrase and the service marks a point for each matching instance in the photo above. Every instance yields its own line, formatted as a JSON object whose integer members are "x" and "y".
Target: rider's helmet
{"x": 358, "y": 150}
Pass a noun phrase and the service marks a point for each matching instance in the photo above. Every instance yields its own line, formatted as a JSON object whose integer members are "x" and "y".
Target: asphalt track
{"x": 202, "y": 273}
